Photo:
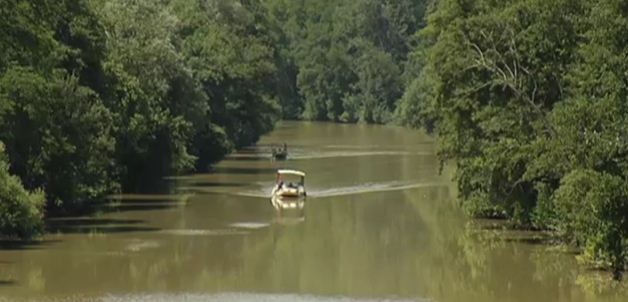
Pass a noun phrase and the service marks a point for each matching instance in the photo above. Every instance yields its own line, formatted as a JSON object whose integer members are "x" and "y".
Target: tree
{"x": 524, "y": 100}
{"x": 58, "y": 137}
{"x": 21, "y": 211}
{"x": 337, "y": 49}
{"x": 57, "y": 132}
{"x": 150, "y": 92}
{"x": 229, "y": 48}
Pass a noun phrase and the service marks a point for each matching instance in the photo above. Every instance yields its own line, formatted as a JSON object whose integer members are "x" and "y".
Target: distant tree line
{"x": 347, "y": 61}
{"x": 528, "y": 98}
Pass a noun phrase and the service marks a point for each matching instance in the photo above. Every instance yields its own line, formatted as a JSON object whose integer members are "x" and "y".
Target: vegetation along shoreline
{"x": 528, "y": 97}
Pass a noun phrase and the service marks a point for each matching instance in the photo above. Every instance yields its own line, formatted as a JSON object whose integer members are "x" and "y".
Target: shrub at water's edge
{"x": 21, "y": 211}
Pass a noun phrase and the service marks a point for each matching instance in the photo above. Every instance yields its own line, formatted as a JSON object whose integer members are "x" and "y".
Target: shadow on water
{"x": 13, "y": 245}
{"x": 250, "y": 150}
{"x": 248, "y": 158}
{"x": 119, "y": 203}
{"x": 102, "y": 229}
{"x": 90, "y": 221}
{"x": 531, "y": 240}
{"x": 7, "y": 282}
{"x": 95, "y": 225}
{"x": 142, "y": 206}
{"x": 147, "y": 202}
{"x": 502, "y": 230}
{"x": 201, "y": 183}
{"x": 236, "y": 170}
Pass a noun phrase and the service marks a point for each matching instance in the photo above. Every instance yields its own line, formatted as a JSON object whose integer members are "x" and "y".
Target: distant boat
{"x": 279, "y": 152}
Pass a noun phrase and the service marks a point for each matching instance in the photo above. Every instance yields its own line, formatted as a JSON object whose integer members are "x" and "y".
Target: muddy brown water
{"x": 380, "y": 223}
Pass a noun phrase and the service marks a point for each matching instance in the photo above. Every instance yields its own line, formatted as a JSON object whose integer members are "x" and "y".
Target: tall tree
{"x": 337, "y": 48}
{"x": 57, "y": 132}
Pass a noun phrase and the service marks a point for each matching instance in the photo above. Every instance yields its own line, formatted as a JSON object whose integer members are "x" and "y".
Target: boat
{"x": 279, "y": 152}
{"x": 285, "y": 204}
{"x": 285, "y": 188}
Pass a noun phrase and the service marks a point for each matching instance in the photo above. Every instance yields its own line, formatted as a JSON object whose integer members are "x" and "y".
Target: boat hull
{"x": 280, "y": 156}
{"x": 288, "y": 192}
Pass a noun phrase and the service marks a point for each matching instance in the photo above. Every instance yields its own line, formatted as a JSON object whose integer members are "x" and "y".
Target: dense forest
{"x": 102, "y": 96}
{"x": 526, "y": 97}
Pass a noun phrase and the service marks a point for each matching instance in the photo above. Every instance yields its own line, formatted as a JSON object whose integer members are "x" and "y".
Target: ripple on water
{"x": 250, "y": 225}
{"x": 334, "y": 154}
{"x": 216, "y": 232}
{"x": 350, "y": 190}
{"x": 139, "y": 245}
{"x": 372, "y": 188}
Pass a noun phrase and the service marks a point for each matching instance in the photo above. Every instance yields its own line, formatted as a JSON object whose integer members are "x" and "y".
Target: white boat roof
{"x": 291, "y": 172}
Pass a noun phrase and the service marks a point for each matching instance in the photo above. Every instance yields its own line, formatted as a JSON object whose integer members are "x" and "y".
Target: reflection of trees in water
{"x": 505, "y": 268}
{"x": 493, "y": 265}
{"x": 596, "y": 284}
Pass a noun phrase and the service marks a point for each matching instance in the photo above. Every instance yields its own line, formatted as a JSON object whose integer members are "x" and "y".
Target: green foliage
{"x": 21, "y": 211}
{"x": 57, "y": 135}
{"x": 95, "y": 95}
{"x": 378, "y": 85}
{"x": 26, "y": 37}
{"x": 592, "y": 209}
{"x": 229, "y": 47}
{"x": 349, "y": 56}
{"x": 144, "y": 69}
{"x": 527, "y": 97}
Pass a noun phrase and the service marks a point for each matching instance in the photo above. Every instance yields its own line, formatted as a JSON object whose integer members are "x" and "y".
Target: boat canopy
{"x": 290, "y": 172}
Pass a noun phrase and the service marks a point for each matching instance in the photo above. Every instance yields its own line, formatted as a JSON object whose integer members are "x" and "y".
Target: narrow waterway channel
{"x": 380, "y": 223}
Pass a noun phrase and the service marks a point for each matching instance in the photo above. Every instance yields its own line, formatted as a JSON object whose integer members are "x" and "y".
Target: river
{"x": 380, "y": 223}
